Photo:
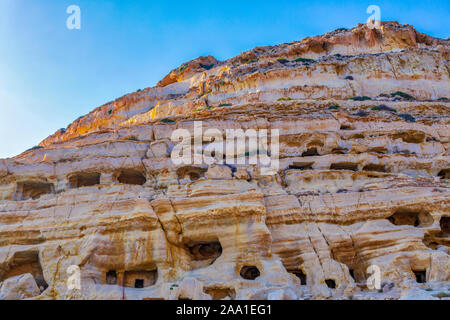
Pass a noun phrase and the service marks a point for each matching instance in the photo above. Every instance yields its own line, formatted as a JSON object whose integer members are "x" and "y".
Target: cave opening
{"x": 111, "y": 277}
{"x": 139, "y": 283}
{"x": 206, "y": 250}
{"x": 302, "y": 166}
{"x": 250, "y": 272}
{"x": 84, "y": 179}
{"x": 133, "y": 177}
{"x": 330, "y": 283}
{"x": 26, "y": 262}
{"x": 344, "y": 166}
{"x": 421, "y": 275}
{"x": 412, "y": 217}
{"x": 220, "y": 293}
{"x": 32, "y": 190}
{"x": 302, "y": 276}
{"x": 142, "y": 278}
{"x": 352, "y": 273}
{"x": 346, "y": 127}
{"x": 445, "y": 225}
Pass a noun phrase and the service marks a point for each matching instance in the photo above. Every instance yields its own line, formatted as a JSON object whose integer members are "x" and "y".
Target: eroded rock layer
{"x": 363, "y": 118}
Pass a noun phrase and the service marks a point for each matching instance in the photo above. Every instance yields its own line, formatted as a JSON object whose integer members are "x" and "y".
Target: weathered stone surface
{"x": 360, "y": 183}
{"x": 19, "y": 287}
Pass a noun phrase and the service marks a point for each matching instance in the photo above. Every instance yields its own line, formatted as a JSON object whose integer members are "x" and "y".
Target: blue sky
{"x": 50, "y": 75}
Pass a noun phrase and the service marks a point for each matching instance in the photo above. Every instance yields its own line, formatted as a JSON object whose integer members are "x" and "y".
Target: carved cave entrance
{"x": 32, "y": 190}
{"x": 79, "y": 180}
{"x": 250, "y": 272}
{"x": 23, "y": 263}
{"x": 416, "y": 218}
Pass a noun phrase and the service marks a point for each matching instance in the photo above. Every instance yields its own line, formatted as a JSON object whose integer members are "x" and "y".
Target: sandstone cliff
{"x": 363, "y": 117}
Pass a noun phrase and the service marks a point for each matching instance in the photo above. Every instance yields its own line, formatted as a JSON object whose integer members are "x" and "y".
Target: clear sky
{"x": 50, "y": 75}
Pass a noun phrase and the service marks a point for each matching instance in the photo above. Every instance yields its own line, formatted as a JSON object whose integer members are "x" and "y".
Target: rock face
{"x": 362, "y": 182}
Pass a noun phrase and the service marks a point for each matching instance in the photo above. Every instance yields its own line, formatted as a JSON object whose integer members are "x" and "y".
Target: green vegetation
{"x": 173, "y": 286}
{"x": 110, "y": 111}
{"x": 402, "y": 95}
{"x": 182, "y": 67}
{"x": 443, "y": 99}
{"x": 225, "y": 105}
{"x": 206, "y": 66}
{"x": 250, "y": 61}
{"x": 359, "y": 98}
{"x": 335, "y": 107}
{"x": 407, "y": 117}
{"x": 305, "y": 60}
{"x": 167, "y": 120}
{"x": 383, "y": 107}
{"x": 384, "y": 95}
{"x": 442, "y": 295}
{"x": 284, "y": 99}
{"x": 282, "y": 60}
{"x": 361, "y": 113}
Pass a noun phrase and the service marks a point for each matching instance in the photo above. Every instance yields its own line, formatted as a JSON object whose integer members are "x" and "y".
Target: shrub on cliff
{"x": 402, "y": 95}
{"x": 359, "y": 98}
{"x": 407, "y": 117}
{"x": 383, "y": 107}
{"x": 167, "y": 120}
{"x": 282, "y": 60}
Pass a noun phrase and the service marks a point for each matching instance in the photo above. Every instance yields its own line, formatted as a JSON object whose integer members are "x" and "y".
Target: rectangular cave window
{"x": 445, "y": 226}
{"x": 344, "y": 166}
{"x": 302, "y": 165}
{"x": 444, "y": 174}
{"x": 134, "y": 177}
{"x": 111, "y": 277}
{"x": 411, "y": 216}
{"x": 139, "y": 283}
{"x": 141, "y": 278}
{"x": 311, "y": 152}
{"x": 421, "y": 276}
{"x": 79, "y": 180}
{"x": 32, "y": 190}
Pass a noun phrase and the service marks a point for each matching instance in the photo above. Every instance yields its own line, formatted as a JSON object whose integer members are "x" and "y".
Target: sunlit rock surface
{"x": 363, "y": 117}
